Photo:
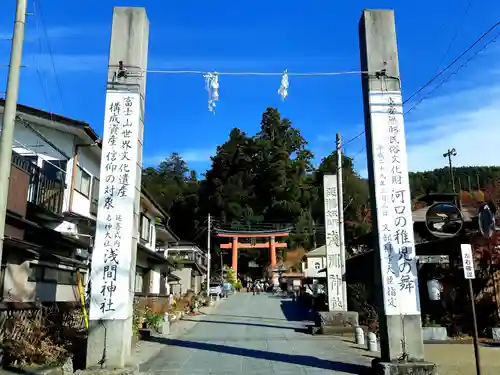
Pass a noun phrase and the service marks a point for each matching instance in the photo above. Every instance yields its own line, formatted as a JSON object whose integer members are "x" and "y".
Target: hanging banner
{"x": 392, "y": 194}
{"x": 111, "y": 258}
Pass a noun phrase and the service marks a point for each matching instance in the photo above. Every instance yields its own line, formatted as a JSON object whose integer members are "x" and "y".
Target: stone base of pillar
{"x": 97, "y": 370}
{"x": 109, "y": 343}
{"x": 380, "y": 367}
{"x": 335, "y": 322}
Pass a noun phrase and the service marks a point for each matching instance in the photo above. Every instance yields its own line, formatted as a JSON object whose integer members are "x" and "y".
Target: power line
{"x": 345, "y": 144}
{"x": 263, "y": 74}
{"x": 452, "y": 74}
{"x": 36, "y": 154}
{"x": 43, "y": 83}
{"x": 58, "y": 86}
{"x": 457, "y": 32}
{"x": 484, "y": 35}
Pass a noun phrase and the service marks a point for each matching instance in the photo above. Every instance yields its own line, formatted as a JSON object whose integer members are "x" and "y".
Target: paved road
{"x": 254, "y": 335}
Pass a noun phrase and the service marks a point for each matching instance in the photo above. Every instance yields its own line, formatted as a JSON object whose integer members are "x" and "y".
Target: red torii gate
{"x": 271, "y": 244}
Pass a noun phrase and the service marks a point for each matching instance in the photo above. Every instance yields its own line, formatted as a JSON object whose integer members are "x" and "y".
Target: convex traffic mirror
{"x": 444, "y": 220}
{"x": 486, "y": 218}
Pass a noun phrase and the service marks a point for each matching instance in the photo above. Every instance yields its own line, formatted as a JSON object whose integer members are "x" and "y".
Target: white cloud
{"x": 190, "y": 156}
{"x": 468, "y": 120}
{"x": 198, "y": 156}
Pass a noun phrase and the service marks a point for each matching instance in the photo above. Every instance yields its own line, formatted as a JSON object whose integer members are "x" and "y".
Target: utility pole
{"x": 449, "y": 154}
{"x": 9, "y": 114}
{"x": 469, "y": 182}
{"x": 477, "y": 182}
{"x": 340, "y": 195}
{"x": 209, "y": 235}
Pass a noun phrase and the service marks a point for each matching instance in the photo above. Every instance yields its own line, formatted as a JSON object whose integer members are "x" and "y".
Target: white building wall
{"x": 154, "y": 282}
{"x": 28, "y": 143}
{"x": 185, "y": 279}
{"x": 90, "y": 163}
{"x": 27, "y": 139}
{"x": 315, "y": 264}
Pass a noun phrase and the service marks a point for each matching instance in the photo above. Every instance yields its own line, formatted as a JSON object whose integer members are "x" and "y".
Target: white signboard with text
{"x": 468, "y": 261}
{"x": 111, "y": 257}
{"x": 393, "y": 202}
{"x": 333, "y": 258}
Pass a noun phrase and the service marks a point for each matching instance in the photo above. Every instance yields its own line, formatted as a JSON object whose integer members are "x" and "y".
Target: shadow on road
{"x": 244, "y": 324}
{"x": 301, "y": 360}
{"x": 293, "y": 311}
{"x": 247, "y": 317}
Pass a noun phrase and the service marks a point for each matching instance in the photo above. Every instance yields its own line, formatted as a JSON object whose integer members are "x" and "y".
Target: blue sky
{"x": 268, "y": 36}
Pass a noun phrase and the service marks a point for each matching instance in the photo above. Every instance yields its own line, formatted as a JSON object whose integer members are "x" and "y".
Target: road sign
{"x": 468, "y": 261}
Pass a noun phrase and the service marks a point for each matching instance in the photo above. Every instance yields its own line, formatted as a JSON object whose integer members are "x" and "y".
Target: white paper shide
{"x": 333, "y": 258}
{"x": 392, "y": 194}
{"x": 111, "y": 257}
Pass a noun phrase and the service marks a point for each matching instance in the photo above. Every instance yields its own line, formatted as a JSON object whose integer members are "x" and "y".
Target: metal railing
{"x": 43, "y": 191}
{"x": 188, "y": 256}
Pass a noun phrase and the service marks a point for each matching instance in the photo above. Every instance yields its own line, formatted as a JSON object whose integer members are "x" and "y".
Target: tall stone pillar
{"x": 402, "y": 350}
{"x": 114, "y": 256}
{"x": 235, "y": 255}
{"x": 334, "y": 274}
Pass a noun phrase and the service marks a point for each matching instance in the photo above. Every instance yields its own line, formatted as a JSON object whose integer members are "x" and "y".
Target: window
{"x": 139, "y": 281}
{"x": 39, "y": 273}
{"x": 54, "y": 169}
{"x": 94, "y": 197}
{"x": 82, "y": 182}
{"x": 145, "y": 228}
{"x": 66, "y": 277}
{"x": 36, "y": 273}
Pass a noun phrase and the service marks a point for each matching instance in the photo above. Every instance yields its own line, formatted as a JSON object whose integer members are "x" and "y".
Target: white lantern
{"x": 435, "y": 288}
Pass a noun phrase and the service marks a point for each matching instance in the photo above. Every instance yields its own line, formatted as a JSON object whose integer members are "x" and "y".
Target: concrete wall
{"x": 148, "y": 279}
{"x": 18, "y": 287}
{"x": 197, "y": 284}
{"x": 185, "y": 279}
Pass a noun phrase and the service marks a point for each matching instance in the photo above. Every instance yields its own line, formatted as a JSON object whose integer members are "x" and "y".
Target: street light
{"x": 449, "y": 154}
